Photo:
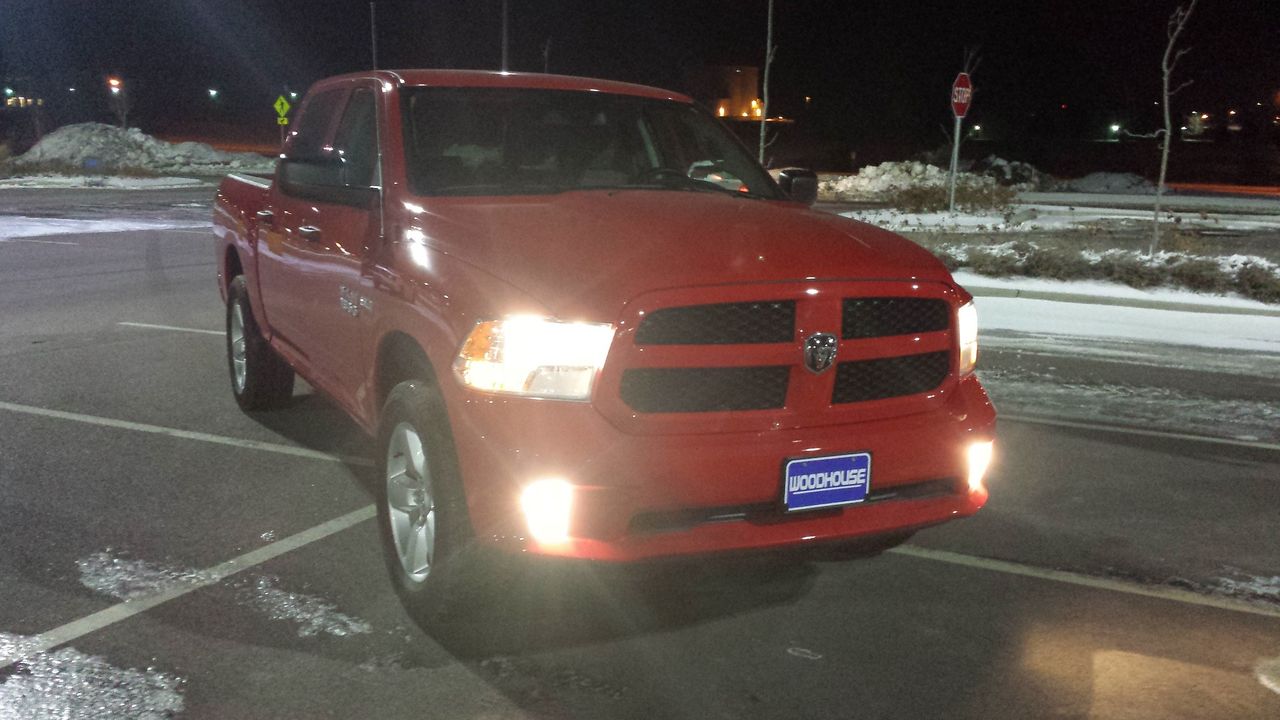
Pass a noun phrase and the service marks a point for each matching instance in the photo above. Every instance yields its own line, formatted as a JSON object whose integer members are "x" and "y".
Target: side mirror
{"x": 325, "y": 171}
{"x": 800, "y": 184}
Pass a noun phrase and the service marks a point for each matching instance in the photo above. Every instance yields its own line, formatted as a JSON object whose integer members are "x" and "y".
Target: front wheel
{"x": 422, "y": 515}
{"x": 260, "y": 379}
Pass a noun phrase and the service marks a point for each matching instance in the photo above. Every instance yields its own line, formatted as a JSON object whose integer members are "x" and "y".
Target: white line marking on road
{"x": 175, "y": 328}
{"x": 1268, "y": 673}
{"x": 42, "y": 242}
{"x": 186, "y": 434}
{"x": 122, "y": 611}
{"x": 1139, "y": 431}
{"x": 1062, "y": 576}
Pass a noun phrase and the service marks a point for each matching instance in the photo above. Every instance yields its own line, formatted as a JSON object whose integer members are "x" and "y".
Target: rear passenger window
{"x": 357, "y": 139}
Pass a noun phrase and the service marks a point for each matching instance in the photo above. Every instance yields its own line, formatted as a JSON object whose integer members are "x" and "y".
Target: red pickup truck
{"x": 582, "y": 321}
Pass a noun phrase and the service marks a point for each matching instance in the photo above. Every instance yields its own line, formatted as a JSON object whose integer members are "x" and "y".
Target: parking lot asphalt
{"x": 129, "y": 476}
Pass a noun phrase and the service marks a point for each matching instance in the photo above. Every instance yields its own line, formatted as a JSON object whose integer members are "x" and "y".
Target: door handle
{"x": 310, "y": 233}
{"x": 266, "y": 217}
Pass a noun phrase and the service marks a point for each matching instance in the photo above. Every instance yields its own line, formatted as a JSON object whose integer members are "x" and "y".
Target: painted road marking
{"x": 41, "y": 242}
{"x": 150, "y": 326}
{"x": 122, "y": 611}
{"x": 185, "y": 434}
{"x": 1140, "y": 431}
{"x": 1070, "y": 578}
{"x": 1268, "y": 673}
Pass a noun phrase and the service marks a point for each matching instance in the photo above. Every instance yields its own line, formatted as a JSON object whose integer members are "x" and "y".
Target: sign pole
{"x": 961, "y": 97}
{"x": 955, "y": 163}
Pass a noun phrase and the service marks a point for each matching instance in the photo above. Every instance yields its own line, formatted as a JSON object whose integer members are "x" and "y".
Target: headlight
{"x": 534, "y": 356}
{"x": 967, "y": 334}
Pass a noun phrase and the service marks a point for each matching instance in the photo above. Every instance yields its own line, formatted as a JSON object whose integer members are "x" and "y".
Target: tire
{"x": 260, "y": 379}
{"x": 437, "y": 568}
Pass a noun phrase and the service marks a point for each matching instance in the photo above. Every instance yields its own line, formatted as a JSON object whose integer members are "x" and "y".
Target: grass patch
{"x": 970, "y": 197}
{"x": 1258, "y": 283}
{"x": 1056, "y": 263}
{"x": 1200, "y": 274}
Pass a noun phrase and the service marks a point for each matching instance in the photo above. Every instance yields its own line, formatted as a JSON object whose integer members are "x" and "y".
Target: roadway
{"x": 1082, "y": 590}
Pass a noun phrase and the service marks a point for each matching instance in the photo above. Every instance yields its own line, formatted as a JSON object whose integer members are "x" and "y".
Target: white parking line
{"x": 122, "y": 611}
{"x": 1062, "y": 576}
{"x": 41, "y": 242}
{"x": 185, "y": 434}
{"x": 1140, "y": 431}
{"x": 175, "y": 328}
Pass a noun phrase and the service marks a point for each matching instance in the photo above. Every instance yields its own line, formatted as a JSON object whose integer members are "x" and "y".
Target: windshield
{"x": 509, "y": 141}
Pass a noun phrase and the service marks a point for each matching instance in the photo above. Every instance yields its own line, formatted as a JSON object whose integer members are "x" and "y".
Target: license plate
{"x": 828, "y": 481}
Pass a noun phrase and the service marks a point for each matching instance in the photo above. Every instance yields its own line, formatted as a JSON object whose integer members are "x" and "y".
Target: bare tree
{"x": 769, "y": 50}
{"x": 1177, "y": 22}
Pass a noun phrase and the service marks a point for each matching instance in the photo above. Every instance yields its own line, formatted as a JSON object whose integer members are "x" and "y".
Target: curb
{"x": 980, "y": 291}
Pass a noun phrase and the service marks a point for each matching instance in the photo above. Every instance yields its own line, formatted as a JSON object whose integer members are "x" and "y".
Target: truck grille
{"x": 884, "y": 316}
{"x": 889, "y": 377}
{"x": 704, "y": 389}
{"x": 741, "y": 323}
{"x": 735, "y": 349}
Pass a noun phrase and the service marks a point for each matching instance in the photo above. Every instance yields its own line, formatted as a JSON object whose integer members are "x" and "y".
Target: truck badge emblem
{"x": 819, "y": 352}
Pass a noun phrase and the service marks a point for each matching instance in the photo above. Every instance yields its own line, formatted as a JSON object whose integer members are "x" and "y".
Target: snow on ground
{"x": 109, "y": 573}
{"x": 1085, "y": 289}
{"x": 17, "y": 226}
{"x": 99, "y": 147}
{"x": 67, "y": 683}
{"x": 1039, "y": 218}
{"x": 111, "y": 182}
{"x": 1252, "y": 333}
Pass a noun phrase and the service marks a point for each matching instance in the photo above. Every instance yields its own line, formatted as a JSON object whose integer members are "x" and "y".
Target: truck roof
{"x": 493, "y": 78}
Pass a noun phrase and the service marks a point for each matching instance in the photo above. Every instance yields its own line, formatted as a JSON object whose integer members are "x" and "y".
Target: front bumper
{"x": 648, "y": 496}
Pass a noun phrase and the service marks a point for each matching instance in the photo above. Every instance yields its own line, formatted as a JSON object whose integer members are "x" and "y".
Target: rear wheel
{"x": 260, "y": 379}
{"x": 436, "y": 567}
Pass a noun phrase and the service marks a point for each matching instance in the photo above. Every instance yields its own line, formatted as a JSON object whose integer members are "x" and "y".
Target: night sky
{"x": 878, "y": 71}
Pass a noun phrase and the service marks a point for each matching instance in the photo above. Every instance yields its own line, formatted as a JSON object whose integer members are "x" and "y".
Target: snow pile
{"x": 876, "y": 182}
{"x": 1103, "y": 182}
{"x": 99, "y": 147}
{"x": 1012, "y": 173}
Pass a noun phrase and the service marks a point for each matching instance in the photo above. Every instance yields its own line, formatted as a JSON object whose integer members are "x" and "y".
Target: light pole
{"x": 118, "y": 100}
{"x": 504, "y": 35}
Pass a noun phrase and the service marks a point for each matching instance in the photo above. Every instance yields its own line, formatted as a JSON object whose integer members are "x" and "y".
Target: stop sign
{"x": 961, "y": 94}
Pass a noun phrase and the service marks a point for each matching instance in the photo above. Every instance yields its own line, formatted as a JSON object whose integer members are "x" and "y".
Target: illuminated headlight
{"x": 534, "y": 356}
{"x": 547, "y": 506}
{"x": 967, "y": 334}
{"x": 979, "y": 460}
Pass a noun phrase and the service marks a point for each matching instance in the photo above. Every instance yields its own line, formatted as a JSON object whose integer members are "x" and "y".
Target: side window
{"x": 314, "y": 125}
{"x": 357, "y": 139}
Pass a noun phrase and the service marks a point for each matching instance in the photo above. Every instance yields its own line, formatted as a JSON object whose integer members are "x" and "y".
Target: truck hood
{"x": 583, "y": 254}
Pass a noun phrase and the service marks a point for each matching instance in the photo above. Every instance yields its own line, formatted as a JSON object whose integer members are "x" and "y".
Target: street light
{"x": 8, "y": 92}
{"x": 116, "y": 85}
{"x": 213, "y": 93}
{"x": 1115, "y": 128}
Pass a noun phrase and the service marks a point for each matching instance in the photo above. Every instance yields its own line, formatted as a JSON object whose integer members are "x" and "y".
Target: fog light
{"x": 547, "y": 506}
{"x": 979, "y": 460}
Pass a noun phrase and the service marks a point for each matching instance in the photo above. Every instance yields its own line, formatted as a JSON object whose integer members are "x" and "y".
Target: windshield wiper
{"x": 673, "y": 179}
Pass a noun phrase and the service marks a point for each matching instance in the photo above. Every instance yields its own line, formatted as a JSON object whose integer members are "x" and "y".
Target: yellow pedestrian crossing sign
{"x": 282, "y": 107}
